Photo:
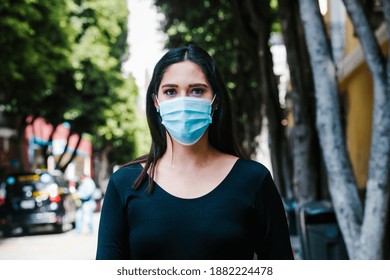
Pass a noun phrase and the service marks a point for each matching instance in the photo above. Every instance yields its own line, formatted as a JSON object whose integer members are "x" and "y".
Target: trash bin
{"x": 290, "y": 206}
{"x": 319, "y": 231}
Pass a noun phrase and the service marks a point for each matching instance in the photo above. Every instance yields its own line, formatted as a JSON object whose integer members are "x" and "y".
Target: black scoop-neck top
{"x": 240, "y": 217}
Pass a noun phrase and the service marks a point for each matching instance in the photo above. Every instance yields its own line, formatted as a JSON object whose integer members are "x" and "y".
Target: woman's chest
{"x": 192, "y": 183}
{"x": 171, "y": 227}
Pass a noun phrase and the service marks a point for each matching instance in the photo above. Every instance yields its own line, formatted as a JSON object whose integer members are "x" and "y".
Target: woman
{"x": 193, "y": 196}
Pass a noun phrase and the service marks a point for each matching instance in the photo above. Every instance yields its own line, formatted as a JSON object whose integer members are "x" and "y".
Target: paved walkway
{"x": 297, "y": 247}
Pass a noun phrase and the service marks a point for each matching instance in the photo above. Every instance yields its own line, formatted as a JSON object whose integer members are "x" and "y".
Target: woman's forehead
{"x": 185, "y": 71}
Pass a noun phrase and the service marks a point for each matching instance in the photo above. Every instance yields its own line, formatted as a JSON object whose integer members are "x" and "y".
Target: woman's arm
{"x": 113, "y": 234}
{"x": 274, "y": 238}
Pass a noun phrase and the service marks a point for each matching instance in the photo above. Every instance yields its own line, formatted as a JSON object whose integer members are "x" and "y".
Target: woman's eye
{"x": 169, "y": 92}
{"x": 197, "y": 91}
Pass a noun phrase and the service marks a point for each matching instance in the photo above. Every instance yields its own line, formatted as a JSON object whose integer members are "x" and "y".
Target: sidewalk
{"x": 297, "y": 247}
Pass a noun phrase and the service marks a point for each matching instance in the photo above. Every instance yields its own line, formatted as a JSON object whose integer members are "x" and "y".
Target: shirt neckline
{"x": 204, "y": 196}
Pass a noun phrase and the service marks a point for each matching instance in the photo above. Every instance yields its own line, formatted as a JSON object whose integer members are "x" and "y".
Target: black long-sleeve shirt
{"x": 243, "y": 215}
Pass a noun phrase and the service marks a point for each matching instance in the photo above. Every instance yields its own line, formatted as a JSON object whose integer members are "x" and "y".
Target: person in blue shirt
{"x": 193, "y": 196}
{"x": 84, "y": 214}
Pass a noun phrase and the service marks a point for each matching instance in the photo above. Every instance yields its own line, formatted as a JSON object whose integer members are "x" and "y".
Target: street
{"x": 64, "y": 246}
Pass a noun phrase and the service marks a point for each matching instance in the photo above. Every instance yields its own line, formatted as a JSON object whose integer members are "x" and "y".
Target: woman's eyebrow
{"x": 198, "y": 85}
{"x": 169, "y": 85}
{"x": 190, "y": 85}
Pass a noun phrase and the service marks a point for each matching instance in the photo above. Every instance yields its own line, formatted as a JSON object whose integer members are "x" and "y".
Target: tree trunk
{"x": 20, "y": 160}
{"x": 58, "y": 163}
{"x": 305, "y": 147}
{"x": 102, "y": 167}
{"x": 45, "y": 148}
{"x": 386, "y": 11}
{"x": 279, "y": 145}
{"x": 74, "y": 154}
{"x": 377, "y": 194}
{"x": 259, "y": 22}
{"x": 280, "y": 150}
{"x": 342, "y": 185}
{"x": 247, "y": 98}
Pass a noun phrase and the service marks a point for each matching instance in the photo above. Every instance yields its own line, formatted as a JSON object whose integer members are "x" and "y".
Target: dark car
{"x": 36, "y": 201}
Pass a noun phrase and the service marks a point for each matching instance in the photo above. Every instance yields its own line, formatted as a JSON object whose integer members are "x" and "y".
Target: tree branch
{"x": 377, "y": 197}
{"x": 342, "y": 183}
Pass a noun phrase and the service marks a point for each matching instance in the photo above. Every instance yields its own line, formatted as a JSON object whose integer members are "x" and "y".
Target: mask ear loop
{"x": 216, "y": 107}
{"x": 158, "y": 102}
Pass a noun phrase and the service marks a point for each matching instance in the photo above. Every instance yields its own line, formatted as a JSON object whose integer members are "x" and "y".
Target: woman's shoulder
{"x": 126, "y": 173}
{"x": 254, "y": 173}
{"x": 252, "y": 166}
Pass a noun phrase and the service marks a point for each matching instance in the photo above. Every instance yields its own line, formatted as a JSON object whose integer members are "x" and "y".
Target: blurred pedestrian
{"x": 194, "y": 196}
{"x": 84, "y": 215}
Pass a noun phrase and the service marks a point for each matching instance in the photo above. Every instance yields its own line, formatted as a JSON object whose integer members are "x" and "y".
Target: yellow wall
{"x": 358, "y": 87}
{"x": 359, "y": 107}
{"x": 351, "y": 41}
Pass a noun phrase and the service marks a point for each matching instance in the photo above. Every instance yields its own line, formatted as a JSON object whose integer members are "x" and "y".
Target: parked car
{"x": 37, "y": 201}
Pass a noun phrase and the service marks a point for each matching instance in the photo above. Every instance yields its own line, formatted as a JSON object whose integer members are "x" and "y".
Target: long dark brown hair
{"x": 221, "y": 130}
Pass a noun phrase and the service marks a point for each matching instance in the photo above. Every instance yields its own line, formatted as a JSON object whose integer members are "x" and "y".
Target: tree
{"x": 362, "y": 224}
{"x": 124, "y": 134}
{"x": 106, "y": 106}
{"x": 34, "y": 50}
{"x": 62, "y": 61}
{"x": 305, "y": 150}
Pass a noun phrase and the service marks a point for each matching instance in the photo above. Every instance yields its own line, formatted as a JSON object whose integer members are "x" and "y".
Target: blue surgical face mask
{"x": 186, "y": 118}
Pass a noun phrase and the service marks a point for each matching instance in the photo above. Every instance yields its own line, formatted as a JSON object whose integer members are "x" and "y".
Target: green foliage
{"x": 124, "y": 128}
{"x": 96, "y": 72}
{"x": 34, "y": 50}
{"x": 62, "y": 60}
{"x": 106, "y": 104}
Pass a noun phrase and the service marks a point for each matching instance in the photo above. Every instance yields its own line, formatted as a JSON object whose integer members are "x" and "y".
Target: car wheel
{"x": 60, "y": 228}
{"x": 5, "y": 233}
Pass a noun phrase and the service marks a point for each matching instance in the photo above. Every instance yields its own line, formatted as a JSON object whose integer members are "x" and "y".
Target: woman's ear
{"x": 214, "y": 109}
{"x": 156, "y": 103}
